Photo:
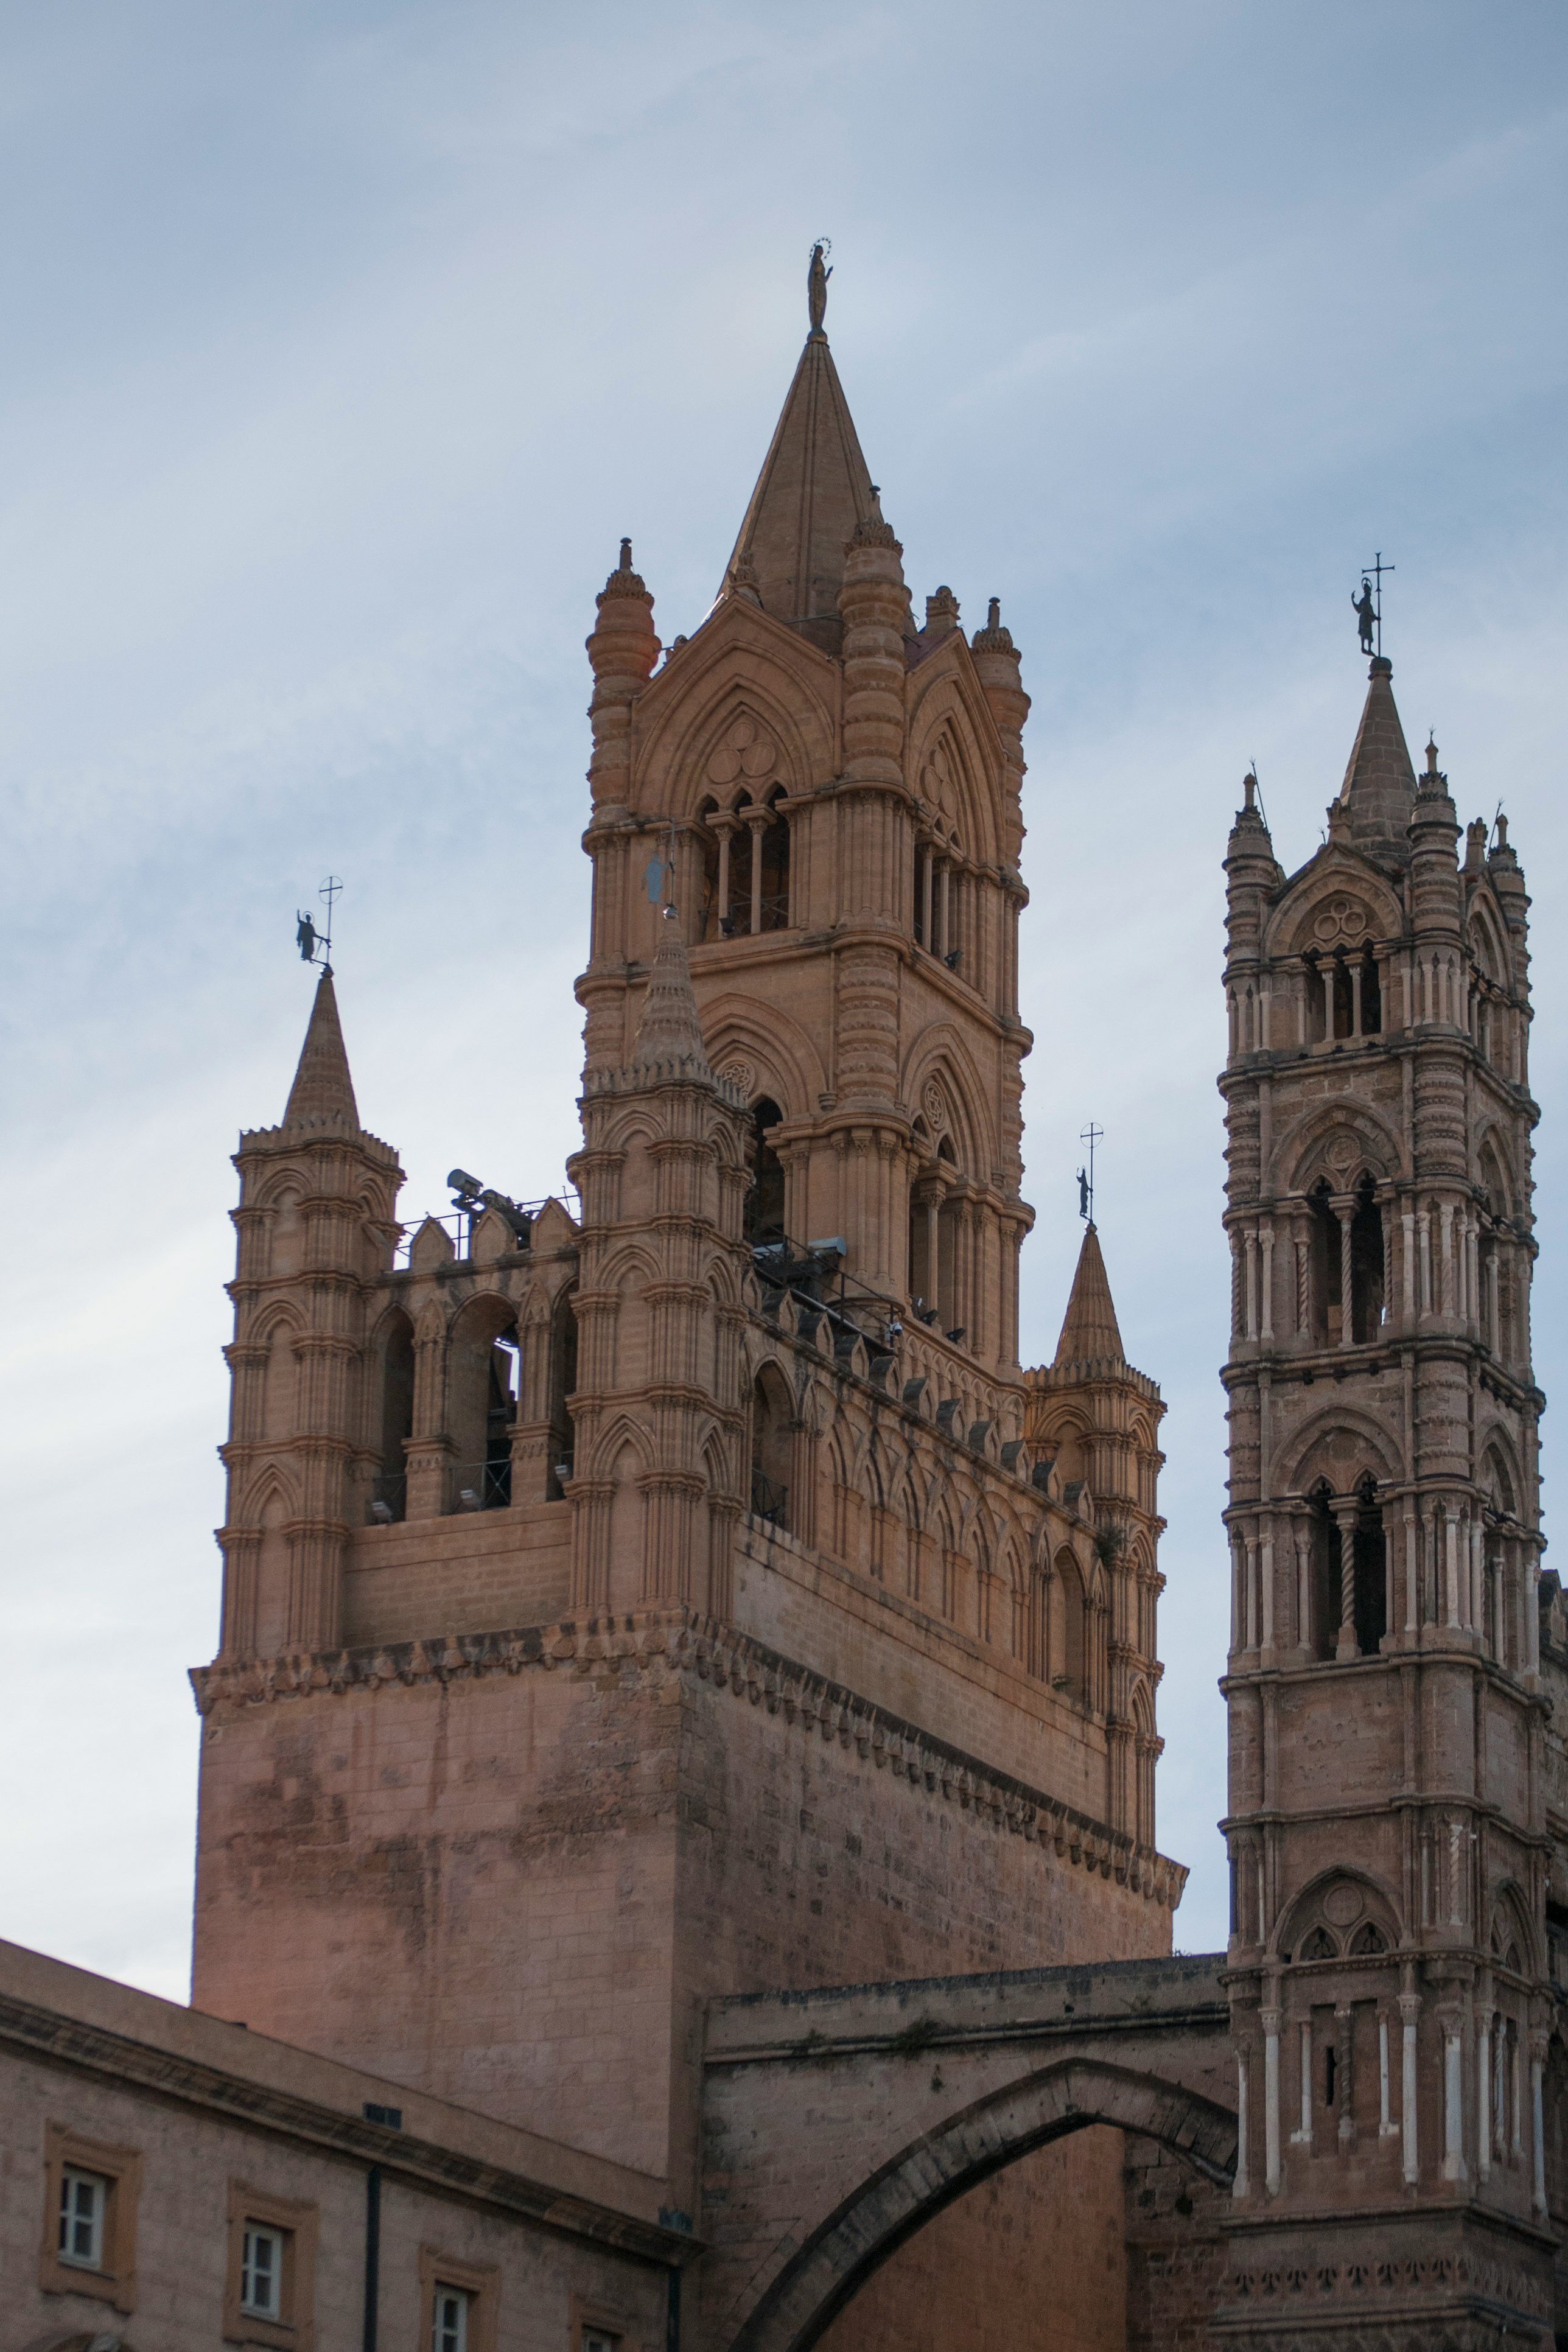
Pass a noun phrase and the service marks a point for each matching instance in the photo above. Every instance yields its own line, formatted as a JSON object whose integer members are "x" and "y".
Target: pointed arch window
{"x": 1366, "y": 1265}
{"x": 389, "y": 1499}
{"x": 763, "y": 1220}
{"x": 772, "y": 899}
{"x": 772, "y": 1435}
{"x": 1326, "y": 1269}
{"x": 562, "y": 1388}
{"x": 481, "y": 1404}
{"x": 1371, "y": 1570}
{"x": 1321, "y": 1634}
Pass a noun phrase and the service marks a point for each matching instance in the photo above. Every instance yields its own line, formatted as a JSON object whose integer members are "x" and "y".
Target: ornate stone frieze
{"x": 679, "y": 1641}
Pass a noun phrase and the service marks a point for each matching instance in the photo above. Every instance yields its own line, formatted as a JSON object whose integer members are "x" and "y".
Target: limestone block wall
{"x": 512, "y": 1879}
{"x": 212, "y": 2121}
{"x": 459, "y": 1575}
{"x": 974, "y": 1692}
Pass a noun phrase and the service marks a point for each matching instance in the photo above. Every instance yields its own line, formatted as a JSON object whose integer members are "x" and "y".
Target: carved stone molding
{"x": 680, "y": 1641}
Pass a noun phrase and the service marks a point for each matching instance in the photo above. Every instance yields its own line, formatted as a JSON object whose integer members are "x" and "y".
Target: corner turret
{"x": 317, "y": 1225}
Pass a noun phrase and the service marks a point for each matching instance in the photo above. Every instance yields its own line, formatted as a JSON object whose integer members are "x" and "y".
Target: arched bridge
{"x": 835, "y": 2123}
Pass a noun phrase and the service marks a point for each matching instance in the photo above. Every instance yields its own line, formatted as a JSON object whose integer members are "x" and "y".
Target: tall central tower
{"x": 1388, "y": 1826}
{"x": 836, "y": 790}
{"x": 692, "y": 1595}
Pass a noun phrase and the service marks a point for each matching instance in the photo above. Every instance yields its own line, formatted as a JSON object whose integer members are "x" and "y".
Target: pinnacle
{"x": 812, "y": 496}
{"x": 322, "y": 1093}
{"x": 1379, "y": 788}
{"x": 669, "y": 1030}
{"x": 1089, "y": 1332}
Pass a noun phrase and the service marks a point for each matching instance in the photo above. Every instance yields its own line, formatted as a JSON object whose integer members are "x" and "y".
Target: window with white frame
{"x": 594, "y": 2339}
{"x": 261, "y": 2273}
{"x": 84, "y": 2200}
{"x": 450, "y": 2325}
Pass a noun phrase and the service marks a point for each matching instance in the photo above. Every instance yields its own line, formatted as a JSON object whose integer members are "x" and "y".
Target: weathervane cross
{"x": 1368, "y": 604}
{"x": 1092, "y": 1135}
{"x": 308, "y": 938}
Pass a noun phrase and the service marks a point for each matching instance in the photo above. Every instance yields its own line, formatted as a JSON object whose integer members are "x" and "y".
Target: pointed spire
{"x": 812, "y": 494}
{"x": 1089, "y": 1332}
{"x": 669, "y": 1031}
{"x": 322, "y": 1093}
{"x": 1379, "y": 788}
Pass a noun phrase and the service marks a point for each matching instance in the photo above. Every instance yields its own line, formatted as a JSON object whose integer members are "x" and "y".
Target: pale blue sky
{"x": 343, "y": 342}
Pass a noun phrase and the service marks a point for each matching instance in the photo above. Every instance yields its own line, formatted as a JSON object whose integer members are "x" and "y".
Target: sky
{"x": 343, "y": 342}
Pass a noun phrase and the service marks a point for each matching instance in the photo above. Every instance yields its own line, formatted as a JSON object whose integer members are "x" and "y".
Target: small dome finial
{"x": 1249, "y": 789}
{"x": 626, "y": 564}
{"x": 1431, "y": 751}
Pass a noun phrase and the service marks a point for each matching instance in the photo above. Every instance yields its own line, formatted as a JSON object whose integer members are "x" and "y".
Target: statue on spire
{"x": 816, "y": 278}
{"x": 1365, "y": 613}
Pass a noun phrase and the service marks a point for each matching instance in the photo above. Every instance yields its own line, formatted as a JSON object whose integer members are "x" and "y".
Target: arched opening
{"x": 1371, "y": 1570}
{"x": 562, "y": 1387}
{"x": 735, "y": 912}
{"x": 917, "y": 2186}
{"x": 286, "y": 1238}
{"x": 389, "y": 1499}
{"x": 481, "y": 1404}
{"x": 922, "y": 1287}
{"x": 1316, "y": 992}
{"x": 1146, "y": 1751}
{"x": 1324, "y": 1248}
{"x": 1370, "y": 996}
{"x": 954, "y": 941}
{"x": 1321, "y": 1635}
{"x": 1366, "y": 1265}
{"x": 709, "y": 910}
{"x": 1070, "y": 1651}
{"x": 774, "y": 895}
{"x": 772, "y": 1442}
{"x": 763, "y": 1220}
{"x": 1343, "y": 998}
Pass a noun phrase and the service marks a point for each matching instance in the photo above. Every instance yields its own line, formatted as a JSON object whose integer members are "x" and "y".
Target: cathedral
{"x": 677, "y": 1860}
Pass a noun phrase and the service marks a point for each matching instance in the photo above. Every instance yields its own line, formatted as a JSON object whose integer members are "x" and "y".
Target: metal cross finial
{"x": 1092, "y": 1135}
{"x": 308, "y": 938}
{"x": 1368, "y": 604}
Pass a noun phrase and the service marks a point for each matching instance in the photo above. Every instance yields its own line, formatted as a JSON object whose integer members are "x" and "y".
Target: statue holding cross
{"x": 1368, "y": 605}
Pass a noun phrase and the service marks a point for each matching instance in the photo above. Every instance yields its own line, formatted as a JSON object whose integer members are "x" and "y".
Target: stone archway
{"x": 932, "y": 2171}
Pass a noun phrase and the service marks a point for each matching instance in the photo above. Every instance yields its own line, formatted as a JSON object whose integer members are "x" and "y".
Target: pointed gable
{"x": 1090, "y": 1330}
{"x": 1379, "y": 790}
{"x": 322, "y": 1093}
{"x": 813, "y": 491}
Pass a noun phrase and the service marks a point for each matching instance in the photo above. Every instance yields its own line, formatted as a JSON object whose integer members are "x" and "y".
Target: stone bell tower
{"x": 1387, "y": 1826}
{"x": 829, "y": 795}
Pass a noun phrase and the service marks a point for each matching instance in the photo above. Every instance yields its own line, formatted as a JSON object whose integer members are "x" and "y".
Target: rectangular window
{"x": 457, "y": 2303}
{"x": 596, "y": 2341}
{"x": 269, "y": 2291}
{"x": 84, "y": 2197}
{"x": 261, "y": 2271}
{"x": 450, "y": 2330}
{"x": 88, "y": 2237}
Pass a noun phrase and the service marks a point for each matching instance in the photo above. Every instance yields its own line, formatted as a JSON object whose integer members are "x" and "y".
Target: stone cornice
{"x": 232, "y": 2098}
{"x": 681, "y": 1640}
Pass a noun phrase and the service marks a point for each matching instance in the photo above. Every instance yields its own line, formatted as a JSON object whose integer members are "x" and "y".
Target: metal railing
{"x": 460, "y": 1224}
{"x": 817, "y": 1279}
{"x": 482, "y": 1485}
{"x": 768, "y": 1501}
{"x": 389, "y": 1499}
